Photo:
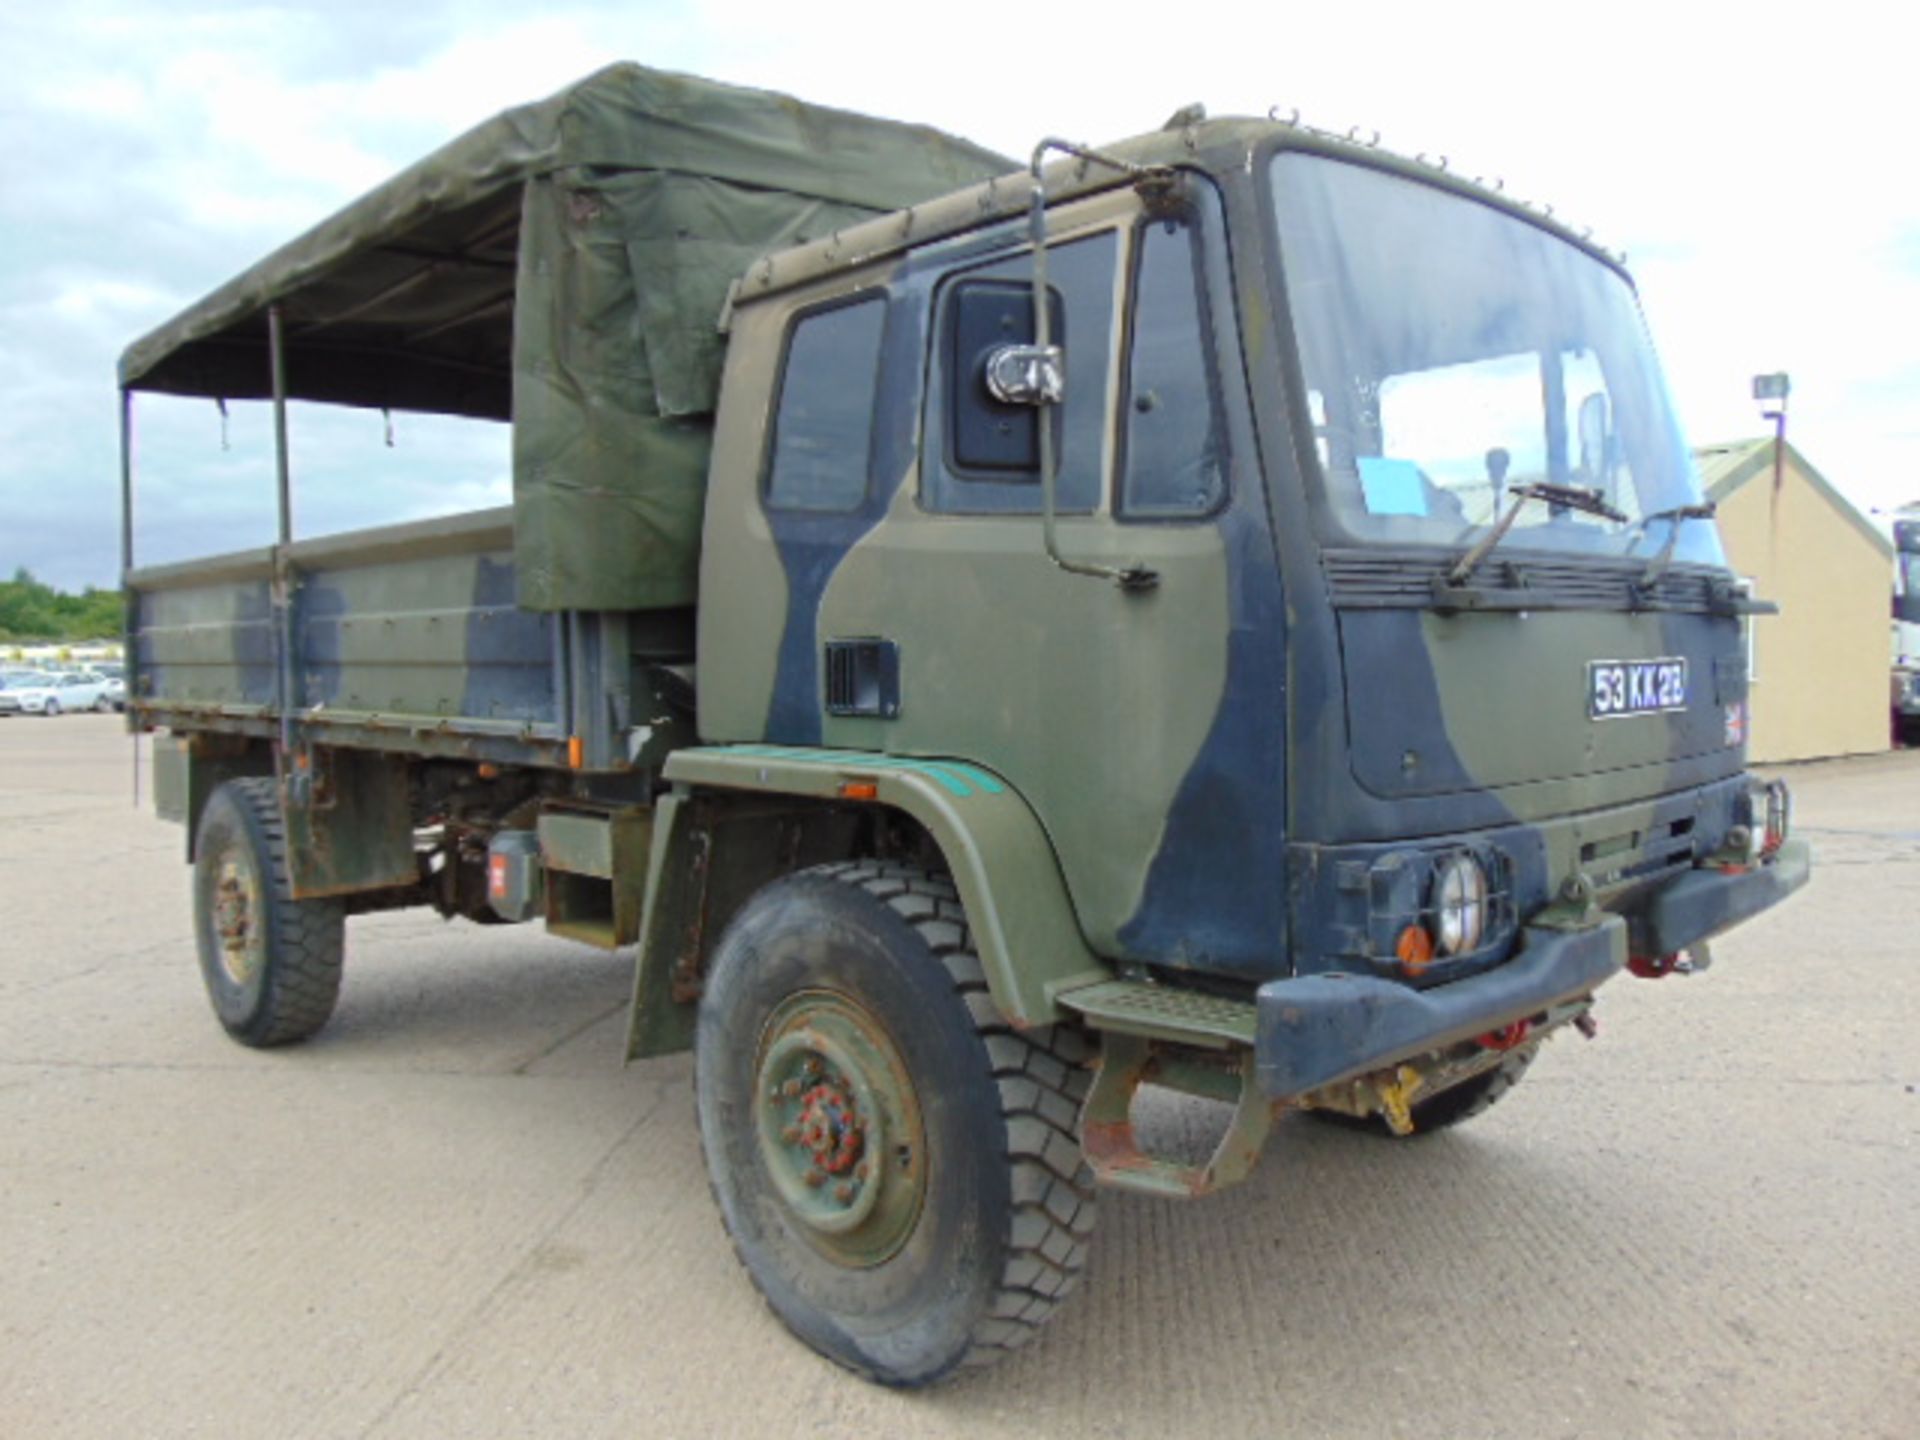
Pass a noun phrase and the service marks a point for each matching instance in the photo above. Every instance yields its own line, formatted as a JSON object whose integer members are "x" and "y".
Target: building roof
{"x": 1727, "y": 467}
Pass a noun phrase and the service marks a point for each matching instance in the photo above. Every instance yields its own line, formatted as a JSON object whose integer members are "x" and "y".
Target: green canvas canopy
{"x": 564, "y": 265}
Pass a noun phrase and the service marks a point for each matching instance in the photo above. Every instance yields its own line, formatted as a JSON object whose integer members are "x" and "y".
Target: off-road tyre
{"x": 275, "y": 981}
{"x": 1000, "y": 1229}
{"x": 1450, "y": 1107}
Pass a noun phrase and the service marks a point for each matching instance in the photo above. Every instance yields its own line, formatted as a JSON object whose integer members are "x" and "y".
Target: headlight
{"x": 1459, "y": 904}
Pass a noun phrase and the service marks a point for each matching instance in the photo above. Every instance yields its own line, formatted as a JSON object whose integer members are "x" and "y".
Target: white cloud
{"x": 1751, "y": 160}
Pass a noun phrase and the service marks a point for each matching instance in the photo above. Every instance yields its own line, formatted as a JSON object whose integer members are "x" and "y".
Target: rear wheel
{"x": 1450, "y": 1107}
{"x": 271, "y": 963}
{"x": 897, "y": 1169}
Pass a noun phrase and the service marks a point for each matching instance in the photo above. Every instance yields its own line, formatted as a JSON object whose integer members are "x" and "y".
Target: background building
{"x": 1820, "y": 666}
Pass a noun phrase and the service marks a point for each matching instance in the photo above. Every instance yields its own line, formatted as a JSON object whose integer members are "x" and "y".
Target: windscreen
{"x": 1452, "y": 351}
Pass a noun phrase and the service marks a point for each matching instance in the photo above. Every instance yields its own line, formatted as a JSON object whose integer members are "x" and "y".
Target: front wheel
{"x": 271, "y": 963}
{"x": 53, "y": 709}
{"x": 897, "y": 1169}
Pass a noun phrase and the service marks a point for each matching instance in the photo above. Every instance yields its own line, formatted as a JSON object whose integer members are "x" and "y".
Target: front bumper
{"x": 1316, "y": 1030}
{"x": 1703, "y": 903}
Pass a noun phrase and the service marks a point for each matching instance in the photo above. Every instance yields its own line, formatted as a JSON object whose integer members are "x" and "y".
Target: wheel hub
{"x": 233, "y": 920}
{"x": 839, "y": 1128}
{"x": 831, "y": 1127}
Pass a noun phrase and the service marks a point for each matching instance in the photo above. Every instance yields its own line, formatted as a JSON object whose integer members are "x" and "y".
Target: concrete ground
{"x": 454, "y": 1212}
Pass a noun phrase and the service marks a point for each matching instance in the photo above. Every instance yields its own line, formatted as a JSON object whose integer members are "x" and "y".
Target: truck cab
{"x": 1299, "y": 391}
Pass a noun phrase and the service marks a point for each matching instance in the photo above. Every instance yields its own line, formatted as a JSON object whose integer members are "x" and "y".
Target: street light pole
{"x": 1773, "y": 389}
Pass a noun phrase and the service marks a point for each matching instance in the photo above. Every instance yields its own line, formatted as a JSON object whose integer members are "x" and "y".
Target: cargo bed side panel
{"x": 440, "y": 638}
{"x": 412, "y": 629}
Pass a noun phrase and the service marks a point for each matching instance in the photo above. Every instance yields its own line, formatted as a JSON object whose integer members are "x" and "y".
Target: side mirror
{"x": 1000, "y": 381}
{"x": 1027, "y": 375}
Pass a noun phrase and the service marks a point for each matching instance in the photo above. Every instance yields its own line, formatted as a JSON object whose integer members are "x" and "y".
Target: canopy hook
{"x": 220, "y": 403}
{"x": 386, "y": 415}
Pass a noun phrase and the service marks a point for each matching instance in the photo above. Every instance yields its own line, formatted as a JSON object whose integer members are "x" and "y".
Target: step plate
{"x": 1162, "y": 1012}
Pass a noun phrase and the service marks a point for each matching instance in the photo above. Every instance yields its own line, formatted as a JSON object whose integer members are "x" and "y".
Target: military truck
{"x": 1232, "y": 612}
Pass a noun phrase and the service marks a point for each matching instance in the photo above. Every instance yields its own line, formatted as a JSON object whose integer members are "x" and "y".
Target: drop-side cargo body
{"x": 1232, "y": 611}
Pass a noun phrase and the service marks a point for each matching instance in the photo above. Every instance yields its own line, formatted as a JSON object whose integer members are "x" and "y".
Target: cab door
{"x": 1145, "y": 726}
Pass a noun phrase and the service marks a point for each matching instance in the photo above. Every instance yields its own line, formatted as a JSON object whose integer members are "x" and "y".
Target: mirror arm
{"x": 1134, "y": 578}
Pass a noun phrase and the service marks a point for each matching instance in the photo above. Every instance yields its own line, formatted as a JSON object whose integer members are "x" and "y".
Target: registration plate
{"x": 1635, "y": 687}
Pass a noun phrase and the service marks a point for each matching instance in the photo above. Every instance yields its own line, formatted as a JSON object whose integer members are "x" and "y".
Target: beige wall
{"x": 1820, "y": 672}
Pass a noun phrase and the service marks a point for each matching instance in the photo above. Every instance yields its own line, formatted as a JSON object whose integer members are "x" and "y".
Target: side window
{"x": 981, "y": 457}
{"x": 1175, "y": 458}
{"x": 823, "y": 425}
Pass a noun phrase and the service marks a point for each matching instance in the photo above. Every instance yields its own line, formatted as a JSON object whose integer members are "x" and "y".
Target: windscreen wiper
{"x": 1674, "y": 517}
{"x": 1570, "y": 497}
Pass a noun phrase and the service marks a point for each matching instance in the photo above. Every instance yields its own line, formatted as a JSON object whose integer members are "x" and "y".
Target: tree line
{"x": 33, "y": 611}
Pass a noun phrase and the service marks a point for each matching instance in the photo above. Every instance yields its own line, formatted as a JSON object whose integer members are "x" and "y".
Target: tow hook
{"x": 1396, "y": 1098}
{"x": 1690, "y": 961}
{"x": 1507, "y": 1036}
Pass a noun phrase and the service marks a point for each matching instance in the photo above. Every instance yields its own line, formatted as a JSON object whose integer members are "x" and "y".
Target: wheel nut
{"x": 865, "y": 1169}
{"x": 791, "y": 1134}
{"x": 791, "y": 1089}
{"x": 816, "y": 1177}
{"x": 843, "y": 1193}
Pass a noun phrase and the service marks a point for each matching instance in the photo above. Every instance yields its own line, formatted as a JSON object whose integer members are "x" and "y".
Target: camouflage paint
{"x": 205, "y": 641}
{"x": 439, "y": 636}
{"x": 812, "y": 545}
{"x": 1004, "y": 866}
{"x": 1138, "y": 759}
{"x": 1255, "y": 713}
{"x": 402, "y": 626}
{"x": 1198, "y": 766}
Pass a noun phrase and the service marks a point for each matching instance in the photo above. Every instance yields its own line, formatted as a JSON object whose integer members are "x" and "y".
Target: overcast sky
{"x": 1757, "y": 169}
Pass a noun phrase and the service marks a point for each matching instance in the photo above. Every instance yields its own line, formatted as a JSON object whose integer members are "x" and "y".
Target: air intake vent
{"x": 1389, "y": 580}
{"x": 863, "y": 678}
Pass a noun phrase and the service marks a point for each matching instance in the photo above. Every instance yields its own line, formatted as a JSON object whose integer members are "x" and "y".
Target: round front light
{"x": 1460, "y": 904}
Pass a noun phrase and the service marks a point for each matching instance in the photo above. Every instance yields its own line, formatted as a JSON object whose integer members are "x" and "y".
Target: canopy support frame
{"x": 283, "y": 576}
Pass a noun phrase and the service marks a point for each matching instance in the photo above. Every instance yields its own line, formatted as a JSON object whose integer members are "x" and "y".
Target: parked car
{"x": 12, "y": 682}
{"x": 63, "y": 691}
